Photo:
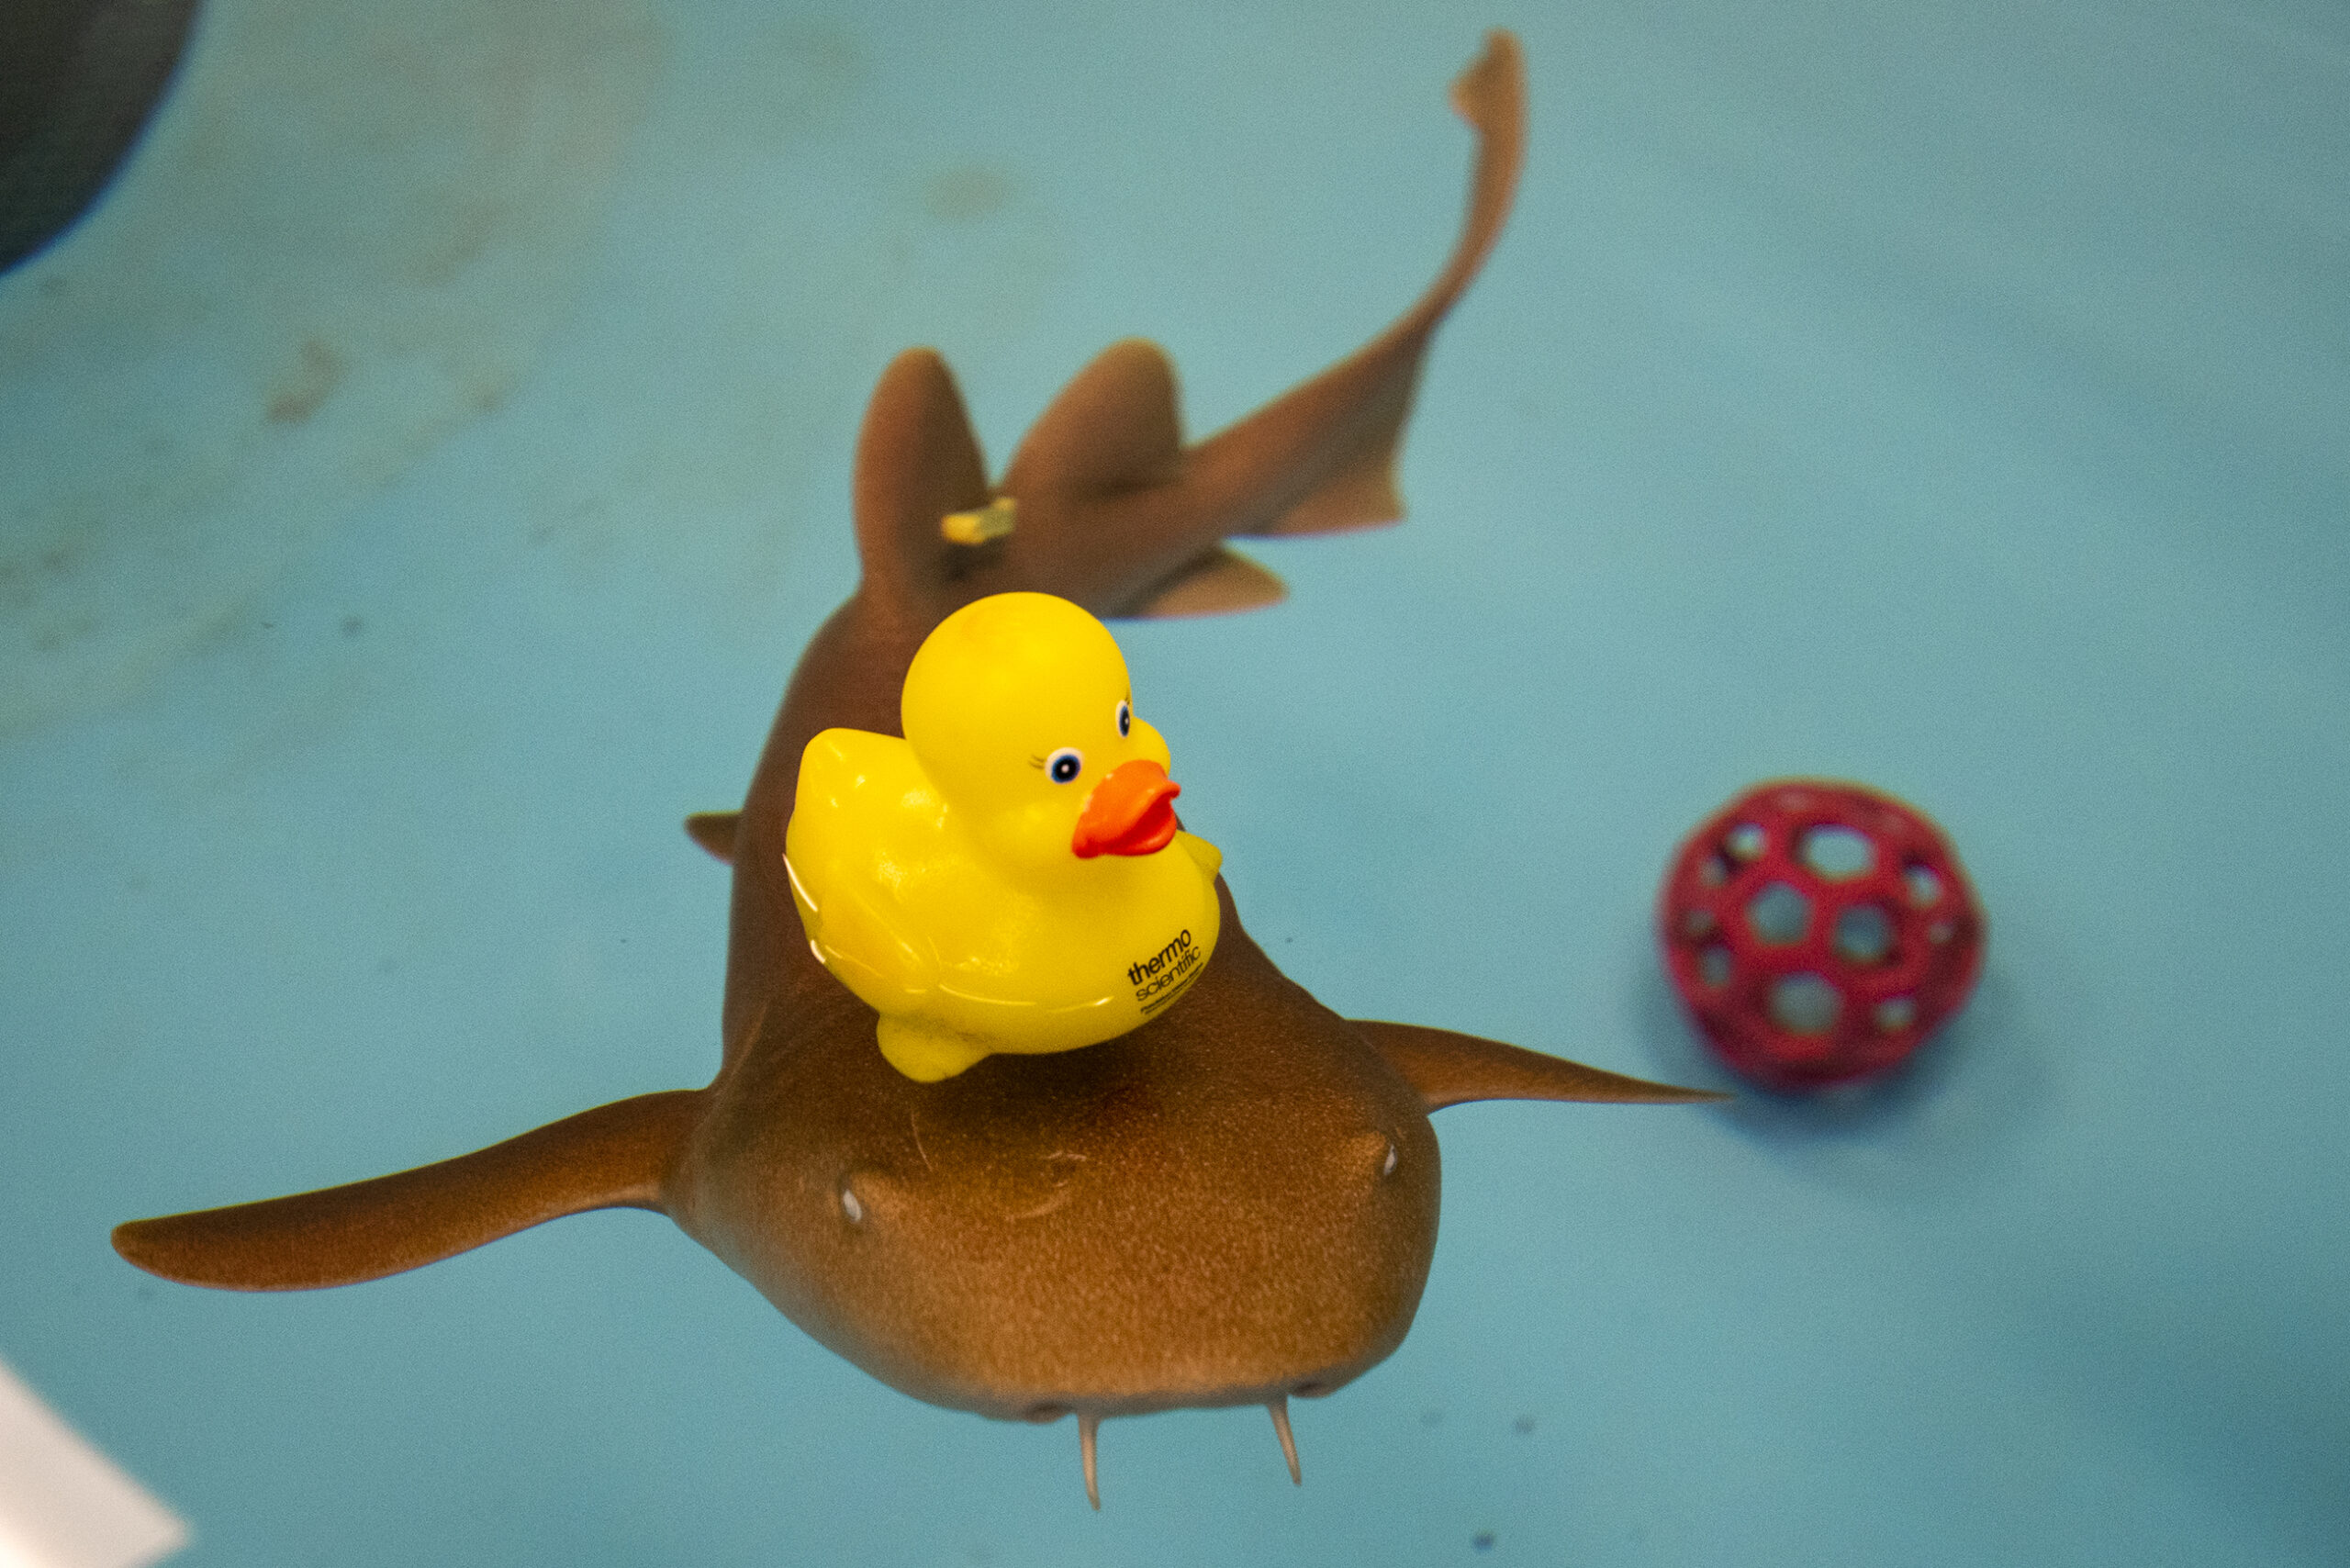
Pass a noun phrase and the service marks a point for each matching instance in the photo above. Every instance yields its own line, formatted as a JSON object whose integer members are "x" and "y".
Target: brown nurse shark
{"x": 1231, "y": 1204}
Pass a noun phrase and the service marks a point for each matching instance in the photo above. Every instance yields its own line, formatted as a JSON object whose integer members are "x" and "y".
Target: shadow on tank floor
{"x": 83, "y": 77}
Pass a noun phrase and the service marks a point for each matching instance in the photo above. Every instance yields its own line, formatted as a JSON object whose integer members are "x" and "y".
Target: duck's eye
{"x": 1064, "y": 765}
{"x": 1125, "y": 718}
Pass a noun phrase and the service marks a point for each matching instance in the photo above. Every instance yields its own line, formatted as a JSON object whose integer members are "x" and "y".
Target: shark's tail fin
{"x": 1104, "y": 504}
{"x": 616, "y": 1156}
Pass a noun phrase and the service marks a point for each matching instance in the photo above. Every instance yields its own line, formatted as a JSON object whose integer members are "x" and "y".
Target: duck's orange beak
{"x": 1129, "y": 812}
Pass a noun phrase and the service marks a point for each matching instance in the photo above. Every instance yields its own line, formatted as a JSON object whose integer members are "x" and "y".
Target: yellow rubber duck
{"x": 1009, "y": 876}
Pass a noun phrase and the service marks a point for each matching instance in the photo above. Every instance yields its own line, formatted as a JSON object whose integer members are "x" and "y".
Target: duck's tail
{"x": 1104, "y": 504}
{"x": 616, "y": 1156}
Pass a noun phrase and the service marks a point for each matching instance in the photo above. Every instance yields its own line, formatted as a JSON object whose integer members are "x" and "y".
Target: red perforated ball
{"x": 1818, "y": 931}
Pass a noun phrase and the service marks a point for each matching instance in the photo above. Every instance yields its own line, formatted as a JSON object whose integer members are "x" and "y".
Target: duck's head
{"x": 1020, "y": 710}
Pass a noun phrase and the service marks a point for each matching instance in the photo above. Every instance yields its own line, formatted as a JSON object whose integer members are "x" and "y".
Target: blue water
{"x": 419, "y": 475}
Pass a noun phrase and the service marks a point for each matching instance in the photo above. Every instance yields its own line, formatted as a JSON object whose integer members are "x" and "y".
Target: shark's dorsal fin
{"x": 1113, "y": 428}
{"x": 1450, "y": 1069}
{"x": 714, "y": 831}
{"x": 917, "y": 462}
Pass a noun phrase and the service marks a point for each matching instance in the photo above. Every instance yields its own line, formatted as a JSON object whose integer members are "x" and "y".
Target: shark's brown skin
{"x": 1234, "y": 1203}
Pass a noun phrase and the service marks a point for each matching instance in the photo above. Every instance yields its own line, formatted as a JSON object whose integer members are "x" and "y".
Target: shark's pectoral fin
{"x": 1450, "y": 1069}
{"x": 616, "y": 1156}
{"x": 714, "y": 831}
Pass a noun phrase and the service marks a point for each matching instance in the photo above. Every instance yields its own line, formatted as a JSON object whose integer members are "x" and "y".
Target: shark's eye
{"x": 1064, "y": 765}
{"x": 1125, "y": 718}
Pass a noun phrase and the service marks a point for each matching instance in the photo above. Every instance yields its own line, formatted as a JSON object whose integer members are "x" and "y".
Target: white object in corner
{"x": 65, "y": 1504}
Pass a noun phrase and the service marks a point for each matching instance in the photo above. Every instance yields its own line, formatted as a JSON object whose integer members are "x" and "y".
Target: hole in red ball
{"x": 1896, "y": 1013}
{"x": 1838, "y": 854}
{"x": 1864, "y": 933}
{"x": 1699, "y": 923}
{"x": 1924, "y": 886}
{"x": 1805, "y": 1004}
{"x": 1779, "y": 915}
{"x": 1746, "y": 841}
{"x": 1713, "y": 966}
{"x": 1713, "y": 871}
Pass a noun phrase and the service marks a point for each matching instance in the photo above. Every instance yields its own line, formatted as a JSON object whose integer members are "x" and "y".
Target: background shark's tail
{"x": 1104, "y": 504}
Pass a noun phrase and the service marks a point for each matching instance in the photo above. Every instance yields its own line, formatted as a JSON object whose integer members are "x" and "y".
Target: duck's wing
{"x": 1450, "y": 1069}
{"x": 861, "y": 797}
{"x": 616, "y": 1156}
{"x": 1110, "y": 508}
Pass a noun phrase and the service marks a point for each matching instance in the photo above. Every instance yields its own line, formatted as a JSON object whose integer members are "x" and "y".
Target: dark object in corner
{"x": 78, "y": 79}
